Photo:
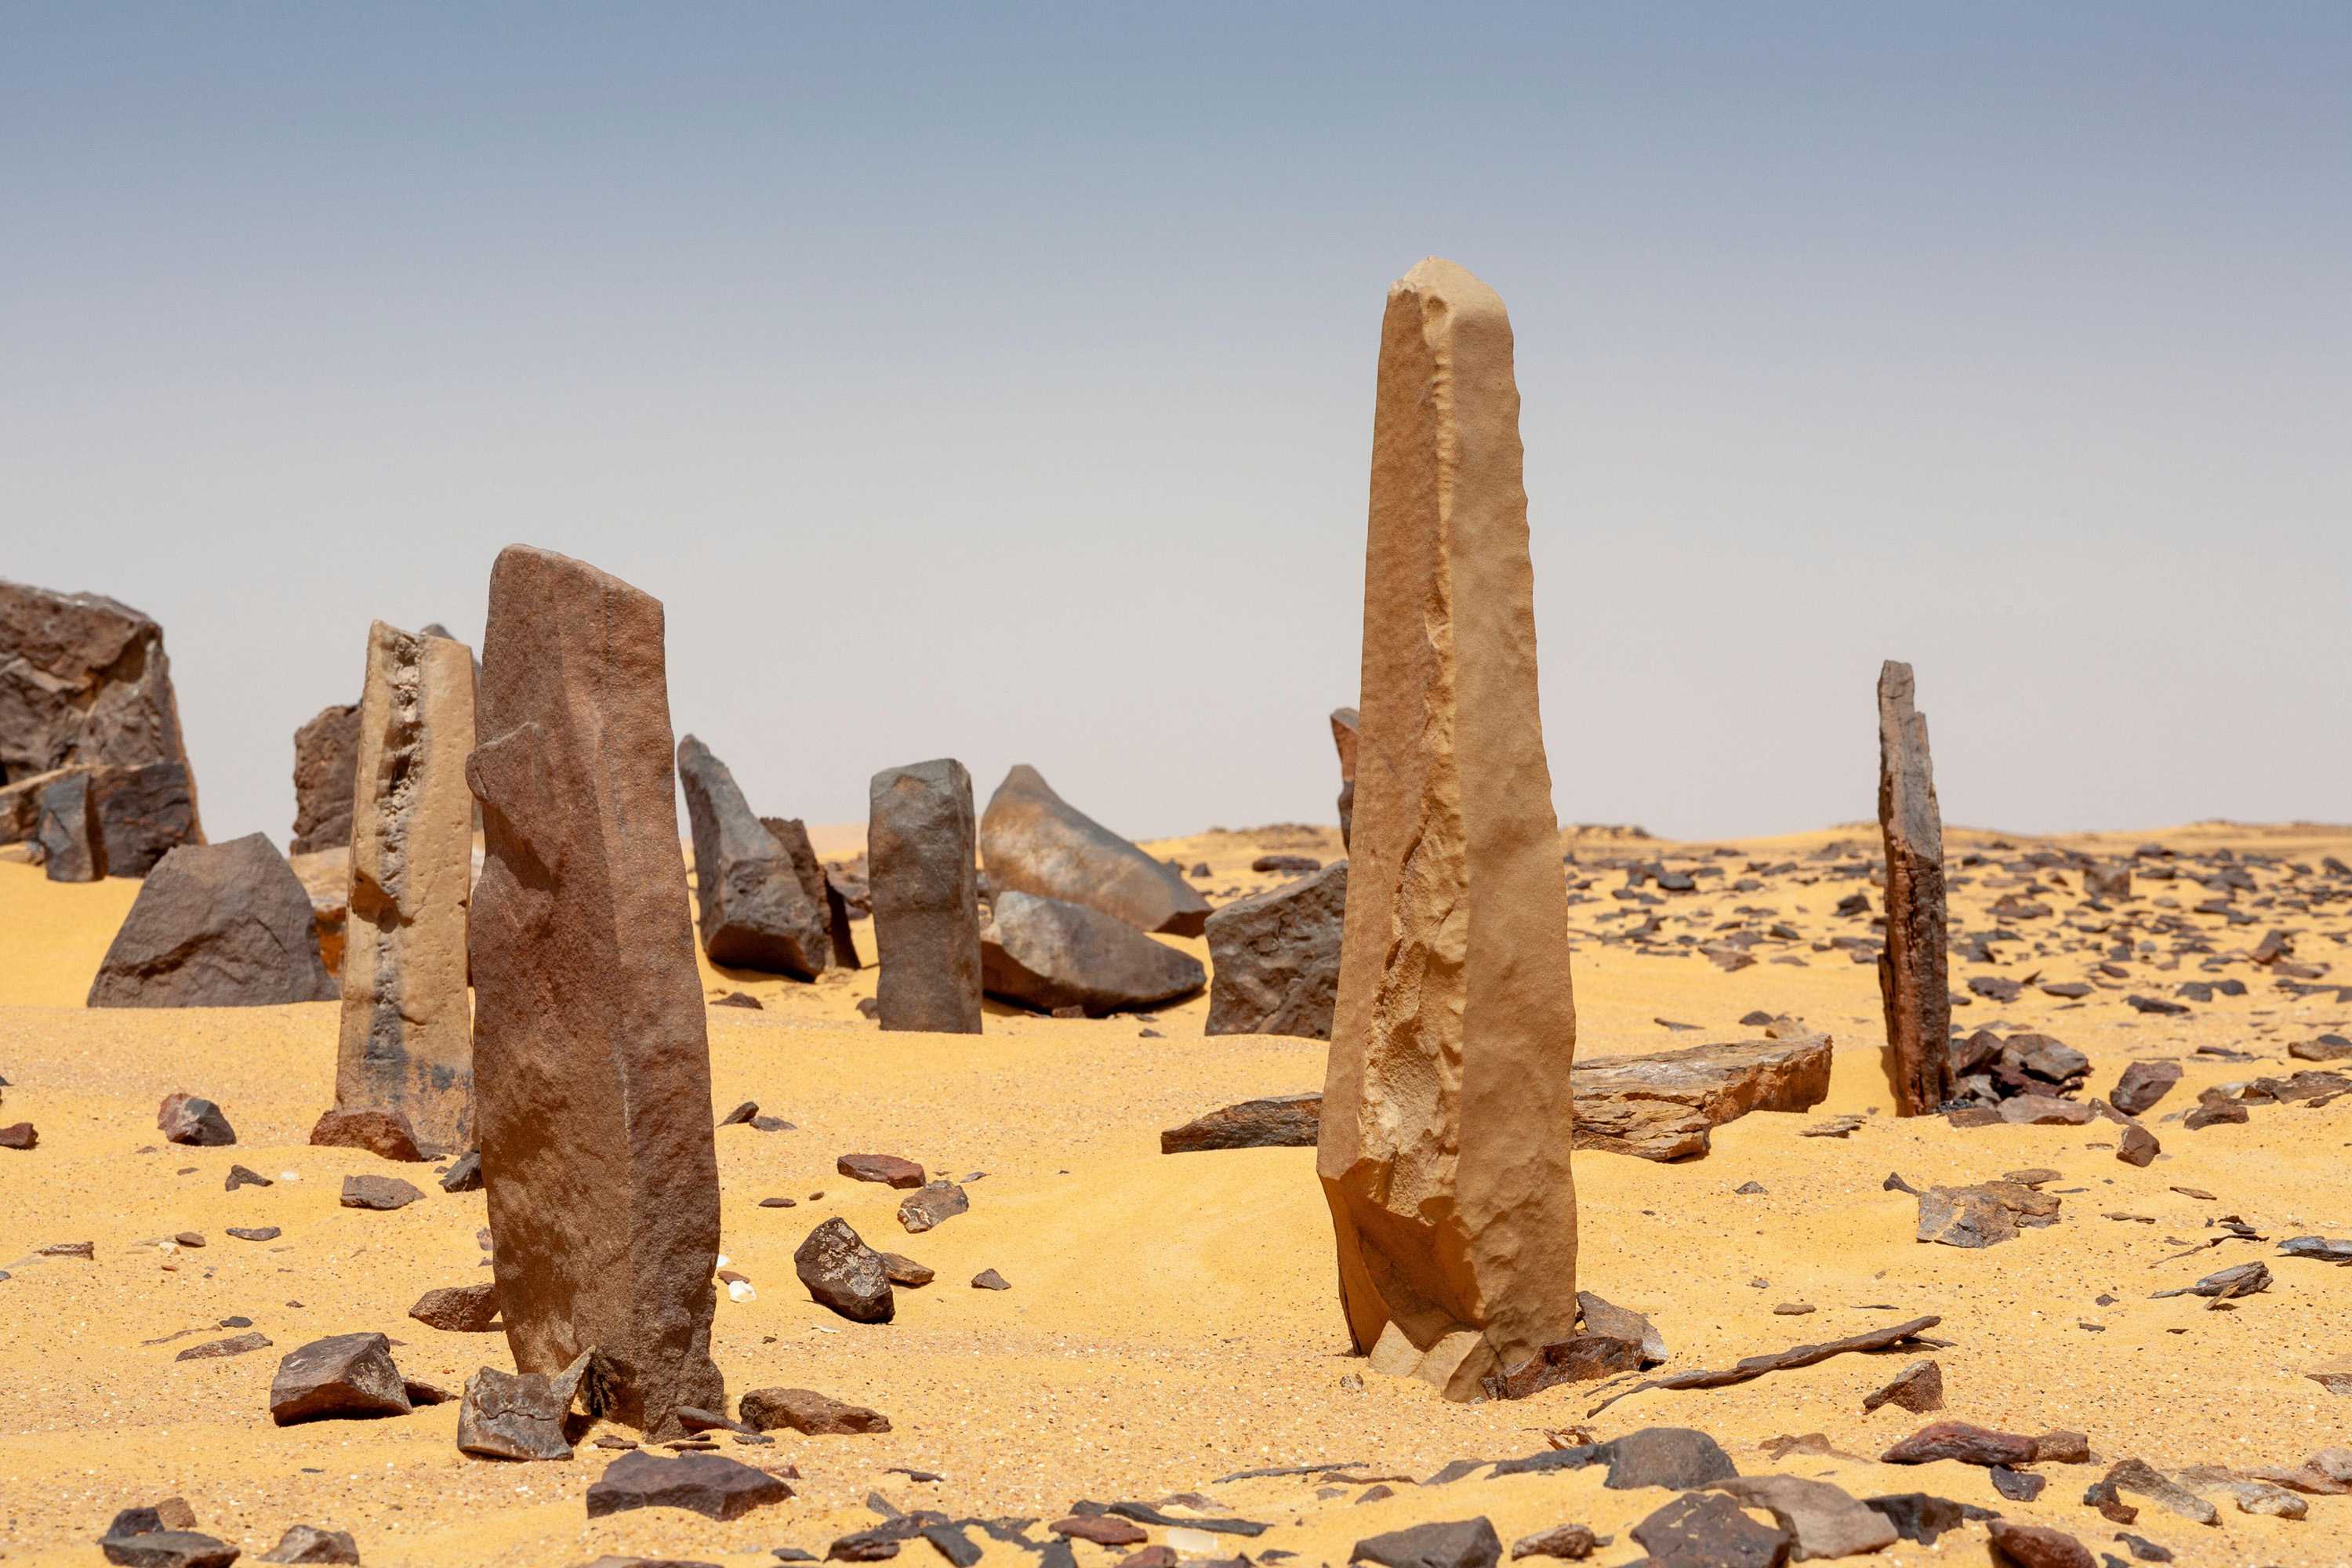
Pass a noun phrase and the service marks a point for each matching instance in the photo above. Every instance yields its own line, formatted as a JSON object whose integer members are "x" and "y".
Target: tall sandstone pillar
{"x": 591, "y": 1071}
{"x": 1912, "y": 980}
{"x": 1447, "y": 1115}
{"x": 919, "y": 840}
{"x": 408, "y": 1027}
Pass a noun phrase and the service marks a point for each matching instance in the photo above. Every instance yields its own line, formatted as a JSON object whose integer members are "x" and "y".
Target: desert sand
{"x": 1173, "y": 1320}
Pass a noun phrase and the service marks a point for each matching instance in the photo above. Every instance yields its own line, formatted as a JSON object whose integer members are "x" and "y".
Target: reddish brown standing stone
{"x": 1447, "y": 1116}
{"x": 1033, "y": 841}
{"x": 925, "y": 890}
{"x": 1911, "y": 970}
{"x": 592, "y": 1071}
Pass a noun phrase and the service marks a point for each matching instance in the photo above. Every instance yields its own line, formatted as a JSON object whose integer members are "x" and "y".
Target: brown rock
{"x": 220, "y": 925}
{"x": 1102, "y": 1528}
{"x": 842, "y": 1273}
{"x": 2137, "y": 1146}
{"x": 381, "y": 1133}
{"x": 1919, "y": 1388}
{"x": 1573, "y": 1543}
{"x": 167, "y": 1549}
{"x": 1274, "y": 958}
{"x": 1912, "y": 980}
{"x": 807, "y": 1410}
{"x": 383, "y": 1193}
{"x": 345, "y": 1375}
{"x": 2035, "y": 1546}
{"x": 510, "y": 1415}
{"x": 326, "y": 770}
{"x": 708, "y": 1484}
{"x": 1445, "y": 1145}
{"x": 754, "y": 912}
{"x": 72, "y": 848}
{"x": 921, "y": 838}
{"x": 1959, "y": 1440}
{"x": 1347, "y": 726}
{"x": 818, "y": 887}
{"x": 190, "y": 1119}
{"x": 309, "y": 1544}
{"x": 326, "y": 878}
{"x": 407, "y": 1042}
{"x": 214, "y": 1350}
{"x": 460, "y": 1309}
{"x": 592, "y": 1069}
{"x": 989, "y": 1280}
{"x": 1050, "y": 955}
{"x": 931, "y": 1205}
{"x": 1665, "y": 1105}
{"x": 1585, "y": 1358}
{"x": 18, "y": 1135}
{"x": 2142, "y": 1085}
{"x": 887, "y": 1169}
{"x": 903, "y": 1271}
{"x": 20, "y": 802}
{"x": 1284, "y": 1121}
{"x": 1822, "y": 1520}
{"x": 1033, "y": 841}
{"x": 1708, "y": 1530}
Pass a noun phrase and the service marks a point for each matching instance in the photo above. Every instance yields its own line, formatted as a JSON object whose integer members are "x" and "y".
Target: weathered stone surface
{"x": 1274, "y": 958}
{"x": 2035, "y": 1546}
{"x": 184, "y": 1118}
{"x": 2142, "y": 1085}
{"x": 1678, "y": 1457}
{"x": 1919, "y": 1388}
{"x": 708, "y": 1484}
{"x": 143, "y": 814}
{"x": 2137, "y": 1146}
{"x": 167, "y": 1549}
{"x": 592, "y": 1069}
{"x": 381, "y": 1193}
{"x": 511, "y": 1415}
{"x": 407, "y": 1042}
{"x": 1912, "y": 980}
{"x": 1584, "y": 1357}
{"x": 345, "y": 1374}
{"x": 381, "y": 1133}
{"x": 1822, "y": 1520}
{"x": 890, "y": 1170}
{"x": 754, "y": 912}
{"x": 1045, "y": 954}
{"x": 1573, "y": 1543}
{"x": 1033, "y": 841}
{"x": 1921, "y": 1516}
{"x": 218, "y": 1350}
{"x": 1708, "y": 1530}
{"x": 309, "y": 1543}
{"x": 20, "y": 802}
{"x": 1347, "y": 728}
{"x": 807, "y": 1411}
{"x": 1459, "y": 1543}
{"x": 219, "y": 925}
{"x": 1284, "y": 1121}
{"x": 817, "y": 886}
{"x": 932, "y": 1205}
{"x": 842, "y": 1273}
{"x": 84, "y": 678}
{"x": 19, "y": 1135}
{"x": 326, "y": 767}
{"x": 67, "y": 833}
{"x": 920, "y": 837}
{"x": 1664, "y": 1105}
{"x": 1971, "y": 1445}
{"x": 460, "y": 1309}
{"x": 2141, "y": 1479}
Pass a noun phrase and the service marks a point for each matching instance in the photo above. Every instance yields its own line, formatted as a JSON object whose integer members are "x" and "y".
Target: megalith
{"x": 1033, "y": 841}
{"x": 592, "y": 1071}
{"x": 1912, "y": 966}
{"x": 1274, "y": 958}
{"x": 407, "y": 1043}
{"x": 925, "y": 890}
{"x": 326, "y": 764}
{"x": 1447, "y": 1112}
{"x": 72, "y": 848}
{"x": 755, "y": 912}
{"x": 216, "y": 925}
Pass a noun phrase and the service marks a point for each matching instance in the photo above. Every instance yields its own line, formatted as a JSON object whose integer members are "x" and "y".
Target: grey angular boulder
{"x": 1033, "y": 841}
{"x": 753, "y": 912}
{"x": 67, "y": 833}
{"x": 343, "y": 1374}
{"x": 1274, "y": 958}
{"x": 1045, "y": 954}
{"x": 519, "y": 1416}
{"x": 216, "y": 925}
{"x": 143, "y": 814}
{"x": 326, "y": 763}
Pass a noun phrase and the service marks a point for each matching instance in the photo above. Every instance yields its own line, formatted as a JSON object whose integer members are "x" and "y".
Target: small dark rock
{"x": 1459, "y": 1543}
{"x": 189, "y": 1118}
{"x": 381, "y": 1193}
{"x": 845, "y": 1274}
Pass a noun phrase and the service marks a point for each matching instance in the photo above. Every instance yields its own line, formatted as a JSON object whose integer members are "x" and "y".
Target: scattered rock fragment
{"x": 1678, "y": 1457}
{"x": 1281, "y": 1122}
{"x": 1710, "y": 1529}
{"x": 2242, "y": 1279}
{"x": 465, "y": 1174}
{"x": 887, "y": 1169}
{"x": 711, "y": 1485}
{"x": 1922, "y": 1516}
{"x": 1919, "y": 1388}
{"x": 2142, "y": 1480}
{"x": 807, "y": 1410}
{"x": 1571, "y": 1543}
{"x": 519, "y": 1416}
{"x": 2137, "y": 1146}
{"x": 255, "y": 1233}
{"x": 167, "y": 1549}
{"x": 2142, "y": 1085}
{"x": 214, "y": 1350}
{"x": 989, "y": 1280}
{"x": 1822, "y": 1520}
{"x": 842, "y": 1273}
{"x": 458, "y": 1308}
{"x": 906, "y": 1272}
{"x": 932, "y": 1205}
{"x": 1102, "y": 1528}
{"x": 311, "y": 1543}
{"x": 341, "y": 1375}
{"x": 385, "y": 1133}
{"x": 190, "y": 1119}
{"x": 1960, "y": 1440}
{"x": 381, "y": 1193}
{"x": 1458, "y": 1544}
{"x": 2036, "y": 1546}
{"x": 238, "y": 1176}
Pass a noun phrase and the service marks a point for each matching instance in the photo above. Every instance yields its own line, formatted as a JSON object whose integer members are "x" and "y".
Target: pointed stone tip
{"x": 1447, "y": 281}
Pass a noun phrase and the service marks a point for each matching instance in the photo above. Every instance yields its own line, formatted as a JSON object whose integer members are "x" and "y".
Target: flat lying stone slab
{"x": 1283, "y": 1122}
{"x": 708, "y": 1484}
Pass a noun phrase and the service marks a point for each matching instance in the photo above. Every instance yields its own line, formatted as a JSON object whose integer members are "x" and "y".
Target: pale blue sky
{"x": 998, "y": 382}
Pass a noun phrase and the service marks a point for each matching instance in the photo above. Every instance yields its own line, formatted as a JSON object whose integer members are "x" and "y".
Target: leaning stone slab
{"x": 711, "y": 1485}
{"x": 1912, "y": 980}
{"x": 755, "y": 914}
{"x": 1448, "y": 1109}
{"x": 216, "y": 925}
{"x": 1033, "y": 841}
{"x": 1284, "y": 1121}
{"x": 925, "y": 891}
{"x": 519, "y": 1416}
{"x": 407, "y": 1043}
{"x": 592, "y": 1069}
{"x": 326, "y": 767}
{"x": 1274, "y": 958}
{"x": 1045, "y": 954}
{"x": 72, "y": 848}
{"x": 840, "y": 947}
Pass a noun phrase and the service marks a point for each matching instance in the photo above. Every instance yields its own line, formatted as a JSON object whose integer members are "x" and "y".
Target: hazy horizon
{"x": 1000, "y": 386}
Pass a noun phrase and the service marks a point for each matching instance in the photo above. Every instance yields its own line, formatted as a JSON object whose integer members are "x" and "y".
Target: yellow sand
{"x": 1171, "y": 1318}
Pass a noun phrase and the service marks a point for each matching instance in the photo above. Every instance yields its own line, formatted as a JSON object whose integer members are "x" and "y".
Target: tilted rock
{"x": 842, "y": 1273}
{"x": 1919, "y": 1388}
{"x": 326, "y": 766}
{"x": 84, "y": 678}
{"x": 1709, "y": 1529}
{"x": 1912, "y": 982}
{"x": 384, "y": 1134}
{"x": 807, "y": 1411}
{"x": 511, "y": 1415}
{"x": 217, "y": 925}
{"x": 1347, "y": 727}
{"x": 460, "y": 1309}
{"x": 311, "y": 1544}
{"x": 1822, "y": 1520}
{"x": 2142, "y": 1085}
{"x": 1284, "y": 1121}
{"x": 754, "y": 912}
{"x": 345, "y": 1374}
{"x": 1274, "y": 958}
{"x": 143, "y": 814}
{"x": 925, "y": 890}
{"x": 407, "y": 1041}
{"x": 1446, "y": 1137}
{"x": 708, "y": 1484}
{"x": 1033, "y": 841}
{"x": 184, "y": 1118}
{"x": 1045, "y": 954}
{"x": 591, "y": 1068}
{"x": 931, "y": 1205}
{"x": 1664, "y": 1105}
{"x": 816, "y": 887}
{"x": 72, "y": 848}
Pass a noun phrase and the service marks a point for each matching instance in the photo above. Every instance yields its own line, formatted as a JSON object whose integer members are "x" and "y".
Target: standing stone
{"x": 143, "y": 813}
{"x": 326, "y": 763}
{"x": 72, "y": 848}
{"x": 1447, "y": 1112}
{"x": 1033, "y": 841}
{"x": 1347, "y": 725}
{"x": 755, "y": 914}
{"x": 408, "y": 1030}
{"x": 216, "y": 925}
{"x": 83, "y": 679}
{"x": 592, "y": 1071}
{"x": 1274, "y": 958}
{"x": 816, "y": 887}
{"x": 925, "y": 890}
{"x": 1911, "y": 972}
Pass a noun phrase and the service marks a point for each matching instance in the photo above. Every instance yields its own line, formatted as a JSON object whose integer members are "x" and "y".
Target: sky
{"x": 997, "y": 381}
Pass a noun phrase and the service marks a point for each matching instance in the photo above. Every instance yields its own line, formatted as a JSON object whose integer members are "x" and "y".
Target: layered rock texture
{"x": 326, "y": 764}
{"x": 72, "y": 848}
{"x": 407, "y": 1044}
{"x": 1911, "y": 969}
{"x": 1033, "y": 841}
{"x": 591, "y": 1071}
{"x": 756, "y": 913}
{"x": 1275, "y": 958}
{"x": 84, "y": 680}
{"x": 925, "y": 890}
{"x": 1447, "y": 1115}
{"x": 216, "y": 925}
{"x": 1045, "y": 954}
